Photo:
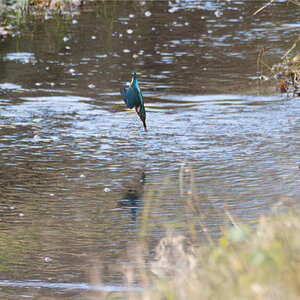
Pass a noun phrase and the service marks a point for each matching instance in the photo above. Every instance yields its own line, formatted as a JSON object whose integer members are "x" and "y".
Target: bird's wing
{"x": 123, "y": 91}
{"x": 133, "y": 97}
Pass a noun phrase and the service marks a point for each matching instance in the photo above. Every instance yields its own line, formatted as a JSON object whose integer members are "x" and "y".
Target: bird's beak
{"x": 145, "y": 126}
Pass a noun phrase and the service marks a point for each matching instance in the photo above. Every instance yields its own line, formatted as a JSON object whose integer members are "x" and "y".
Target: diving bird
{"x": 133, "y": 98}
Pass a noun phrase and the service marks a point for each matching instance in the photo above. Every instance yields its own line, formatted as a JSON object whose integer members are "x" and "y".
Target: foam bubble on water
{"x": 91, "y": 86}
{"x": 65, "y": 39}
{"x": 126, "y": 51}
{"x": 148, "y": 13}
{"x": 173, "y": 9}
{"x": 21, "y": 215}
{"x": 131, "y": 16}
{"x": 47, "y": 259}
{"x": 106, "y": 190}
{"x": 74, "y": 22}
{"x": 218, "y": 14}
{"x": 93, "y": 37}
{"x": 82, "y": 176}
{"x": 129, "y": 31}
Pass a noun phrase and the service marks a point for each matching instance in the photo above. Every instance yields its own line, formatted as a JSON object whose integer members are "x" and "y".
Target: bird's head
{"x": 133, "y": 81}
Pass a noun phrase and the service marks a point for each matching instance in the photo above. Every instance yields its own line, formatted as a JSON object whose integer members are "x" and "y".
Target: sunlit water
{"x": 78, "y": 172}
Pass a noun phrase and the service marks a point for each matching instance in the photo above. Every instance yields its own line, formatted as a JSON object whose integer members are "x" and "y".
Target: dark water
{"x": 80, "y": 177}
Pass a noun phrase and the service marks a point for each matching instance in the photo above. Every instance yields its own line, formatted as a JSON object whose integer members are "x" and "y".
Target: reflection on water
{"x": 133, "y": 194}
{"x": 77, "y": 170}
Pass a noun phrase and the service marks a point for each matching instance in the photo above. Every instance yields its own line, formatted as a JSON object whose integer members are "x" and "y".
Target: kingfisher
{"x": 133, "y": 98}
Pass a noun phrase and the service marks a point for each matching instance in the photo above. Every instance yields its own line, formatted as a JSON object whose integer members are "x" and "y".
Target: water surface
{"x": 78, "y": 173}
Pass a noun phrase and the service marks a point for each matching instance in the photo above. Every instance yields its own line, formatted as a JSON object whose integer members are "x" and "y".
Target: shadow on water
{"x": 133, "y": 195}
{"x": 78, "y": 170}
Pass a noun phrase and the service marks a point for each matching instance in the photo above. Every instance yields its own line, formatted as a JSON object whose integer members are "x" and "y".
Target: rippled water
{"x": 78, "y": 173}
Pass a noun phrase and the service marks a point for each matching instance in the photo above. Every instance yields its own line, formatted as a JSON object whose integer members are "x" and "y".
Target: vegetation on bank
{"x": 260, "y": 263}
{"x": 14, "y": 13}
{"x": 286, "y": 71}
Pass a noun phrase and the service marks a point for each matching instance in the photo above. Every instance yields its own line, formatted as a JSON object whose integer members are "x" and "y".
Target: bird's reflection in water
{"x": 132, "y": 195}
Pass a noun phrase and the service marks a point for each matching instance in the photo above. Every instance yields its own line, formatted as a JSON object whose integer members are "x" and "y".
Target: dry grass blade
{"x": 290, "y": 50}
{"x": 263, "y": 7}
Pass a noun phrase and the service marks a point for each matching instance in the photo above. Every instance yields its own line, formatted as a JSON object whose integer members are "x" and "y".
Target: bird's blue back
{"x": 133, "y": 98}
{"x": 133, "y": 94}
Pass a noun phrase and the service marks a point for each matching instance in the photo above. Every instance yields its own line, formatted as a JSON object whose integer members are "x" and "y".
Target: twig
{"x": 289, "y": 51}
{"x": 231, "y": 219}
{"x": 263, "y": 7}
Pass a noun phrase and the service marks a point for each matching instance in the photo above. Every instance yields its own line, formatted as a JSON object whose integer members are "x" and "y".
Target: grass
{"x": 262, "y": 263}
{"x": 286, "y": 71}
{"x": 247, "y": 262}
{"x": 15, "y": 13}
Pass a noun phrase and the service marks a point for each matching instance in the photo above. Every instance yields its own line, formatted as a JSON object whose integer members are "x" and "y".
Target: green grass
{"x": 260, "y": 263}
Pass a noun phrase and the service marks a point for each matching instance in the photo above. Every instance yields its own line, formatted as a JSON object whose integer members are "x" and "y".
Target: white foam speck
{"x": 173, "y": 9}
{"x": 47, "y": 259}
{"x": 218, "y": 14}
